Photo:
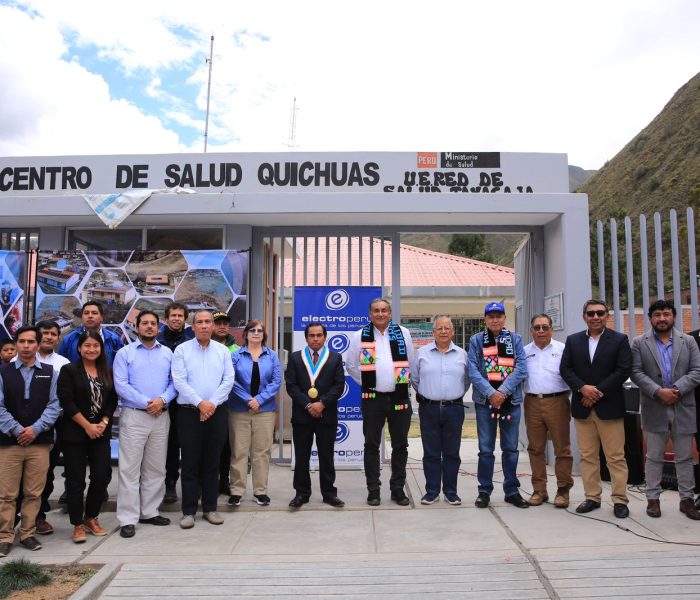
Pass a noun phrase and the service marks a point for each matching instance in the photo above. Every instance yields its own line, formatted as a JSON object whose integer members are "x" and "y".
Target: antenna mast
{"x": 209, "y": 60}
{"x": 293, "y": 126}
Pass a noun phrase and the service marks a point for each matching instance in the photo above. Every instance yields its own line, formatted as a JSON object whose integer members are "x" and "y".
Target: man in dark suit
{"x": 315, "y": 380}
{"x": 696, "y": 336}
{"x": 595, "y": 364}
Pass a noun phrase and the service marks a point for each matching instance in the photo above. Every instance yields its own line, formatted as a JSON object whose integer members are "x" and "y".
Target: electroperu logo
{"x": 342, "y": 433}
{"x": 339, "y": 343}
{"x": 337, "y": 299}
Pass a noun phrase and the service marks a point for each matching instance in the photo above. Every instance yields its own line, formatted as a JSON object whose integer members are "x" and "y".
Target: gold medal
{"x": 312, "y": 393}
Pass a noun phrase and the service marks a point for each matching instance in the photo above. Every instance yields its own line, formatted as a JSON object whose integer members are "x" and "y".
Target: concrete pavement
{"x": 415, "y": 551}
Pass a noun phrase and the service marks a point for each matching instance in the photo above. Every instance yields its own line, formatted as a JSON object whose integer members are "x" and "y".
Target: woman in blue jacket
{"x": 252, "y": 408}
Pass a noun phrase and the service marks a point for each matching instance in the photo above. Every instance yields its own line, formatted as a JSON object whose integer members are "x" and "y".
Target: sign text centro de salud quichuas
{"x": 435, "y": 172}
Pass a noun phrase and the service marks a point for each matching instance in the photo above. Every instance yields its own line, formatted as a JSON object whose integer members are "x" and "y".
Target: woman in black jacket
{"x": 88, "y": 399}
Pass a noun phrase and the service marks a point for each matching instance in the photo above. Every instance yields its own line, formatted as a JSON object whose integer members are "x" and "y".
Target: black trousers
{"x": 225, "y": 467}
{"x": 201, "y": 444}
{"x": 303, "y": 435}
{"x": 375, "y": 413}
{"x": 77, "y": 457}
{"x": 172, "y": 459}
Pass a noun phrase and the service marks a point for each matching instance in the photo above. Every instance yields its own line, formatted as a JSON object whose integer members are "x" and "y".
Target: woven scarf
{"x": 499, "y": 357}
{"x": 368, "y": 361}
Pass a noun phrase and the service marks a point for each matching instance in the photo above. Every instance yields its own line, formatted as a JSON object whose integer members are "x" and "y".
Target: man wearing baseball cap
{"x": 497, "y": 369}
{"x": 221, "y": 333}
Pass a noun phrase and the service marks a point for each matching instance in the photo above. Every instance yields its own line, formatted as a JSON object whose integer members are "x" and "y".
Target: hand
{"x": 668, "y": 396}
{"x": 27, "y": 436}
{"x": 590, "y": 393}
{"x": 93, "y": 430}
{"x": 253, "y": 405}
{"x": 497, "y": 399}
{"x": 206, "y": 410}
{"x": 155, "y": 406}
{"x": 316, "y": 409}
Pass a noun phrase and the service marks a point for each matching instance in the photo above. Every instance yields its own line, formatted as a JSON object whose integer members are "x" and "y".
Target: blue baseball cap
{"x": 494, "y": 307}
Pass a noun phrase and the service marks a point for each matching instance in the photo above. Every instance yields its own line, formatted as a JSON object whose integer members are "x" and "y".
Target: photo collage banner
{"x": 13, "y": 279}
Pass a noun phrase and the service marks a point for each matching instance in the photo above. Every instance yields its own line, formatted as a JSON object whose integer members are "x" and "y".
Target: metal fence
{"x": 664, "y": 268}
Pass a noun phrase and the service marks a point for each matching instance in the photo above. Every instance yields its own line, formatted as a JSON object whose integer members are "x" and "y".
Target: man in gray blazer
{"x": 666, "y": 367}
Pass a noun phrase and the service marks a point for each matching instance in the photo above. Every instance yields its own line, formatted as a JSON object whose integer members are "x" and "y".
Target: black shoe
{"x": 5, "y": 548}
{"x": 157, "y": 520}
{"x": 374, "y": 498}
{"x": 234, "y": 500}
{"x": 620, "y": 510}
{"x": 482, "y": 500}
{"x": 31, "y": 543}
{"x": 262, "y": 499}
{"x": 334, "y": 501}
{"x": 63, "y": 498}
{"x": 298, "y": 501}
{"x": 400, "y": 498}
{"x": 170, "y": 494}
{"x": 587, "y": 506}
{"x": 517, "y": 500}
{"x": 127, "y": 531}
{"x": 697, "y": 503}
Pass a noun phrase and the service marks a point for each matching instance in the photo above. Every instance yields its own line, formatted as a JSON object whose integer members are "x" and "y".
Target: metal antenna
{"x": 210, "y": 60}
{"x": 293, "y": 126}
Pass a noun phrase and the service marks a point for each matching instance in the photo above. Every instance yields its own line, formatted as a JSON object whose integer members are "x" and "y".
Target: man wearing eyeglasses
{"x": 595, "y": 365}
{"x": 547, "y": 410}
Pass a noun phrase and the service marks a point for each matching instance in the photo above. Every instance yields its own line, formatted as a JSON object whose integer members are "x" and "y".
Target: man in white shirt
{"x": 547, "y": 409}
{"x": 378, "y": 359}
{"x": 203, "y": 376}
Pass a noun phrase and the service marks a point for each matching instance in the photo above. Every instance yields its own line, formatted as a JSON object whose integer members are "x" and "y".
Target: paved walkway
{"x": 412, "y": 552}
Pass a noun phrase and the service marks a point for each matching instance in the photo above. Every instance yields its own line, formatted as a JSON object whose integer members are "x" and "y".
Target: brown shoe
{"x": 561, "y": 500}
{"x": 687, "y": 506}
{"x": 79, "y": 534}
{"x": 654, "y": 508}
{"x": 538, "y": 498}
{"x": 44, "y": 528}
{"x": 93, "y": 526}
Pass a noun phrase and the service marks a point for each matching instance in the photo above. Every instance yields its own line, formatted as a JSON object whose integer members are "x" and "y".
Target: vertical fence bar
{"x": 359, "y": 262}
{"x": 316, "y": 261}
{"x": 349, "y": 260}
{"x": 659, "y": 257}
{"x": 382, "y": 264}
{"x": 601, "y": 260}
{"x": 337, "y": 260}
{"x": 692, "y": 269}
{"x": 328, "y": 261}
{"x": 630, "y": 278}
{"x": 371, "y": 260}
{"x": 675, "y": 259}
{"x": 643, "y": 250}
{"x": 280, "y": 338}
{"x": 305, "y": 258}
{"x": 615, "y": 275}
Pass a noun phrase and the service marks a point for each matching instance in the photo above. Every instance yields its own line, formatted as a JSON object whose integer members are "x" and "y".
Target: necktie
{"x": 315, "y": 357}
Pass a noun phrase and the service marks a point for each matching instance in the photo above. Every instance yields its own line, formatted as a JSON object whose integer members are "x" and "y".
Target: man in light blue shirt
{"x": 440, "y": 376}
{"x": 28, "y": 410}
{"x": 203, "y": 376}
{"x": 144, "y": 384}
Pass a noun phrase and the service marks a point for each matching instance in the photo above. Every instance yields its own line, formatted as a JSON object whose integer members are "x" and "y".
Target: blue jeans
{"x": 441, "y": 432}
{"x": 486, "y": 431}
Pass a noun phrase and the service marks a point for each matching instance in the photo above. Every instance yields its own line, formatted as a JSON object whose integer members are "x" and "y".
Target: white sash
{"x": 311, "y": 369}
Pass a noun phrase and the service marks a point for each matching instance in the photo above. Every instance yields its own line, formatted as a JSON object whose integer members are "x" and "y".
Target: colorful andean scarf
{"x": 368, "y": 361}
{"x": 499, "y": 362}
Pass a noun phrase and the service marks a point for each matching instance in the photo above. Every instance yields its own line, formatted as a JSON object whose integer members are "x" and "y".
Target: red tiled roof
{"x": 419, "y": 267}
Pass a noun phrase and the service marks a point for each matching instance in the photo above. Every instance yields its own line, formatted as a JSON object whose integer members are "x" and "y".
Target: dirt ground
{"x": 65, "y": 581}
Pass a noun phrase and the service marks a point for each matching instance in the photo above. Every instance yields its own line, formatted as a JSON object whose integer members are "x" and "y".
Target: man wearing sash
{"x": 497, "y": 369}
{"x": 378, "y": 359}
{"x": 315, "y": 381}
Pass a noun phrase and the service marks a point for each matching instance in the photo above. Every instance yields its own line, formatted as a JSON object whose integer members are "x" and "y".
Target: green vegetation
{"x": 21, "y": 574}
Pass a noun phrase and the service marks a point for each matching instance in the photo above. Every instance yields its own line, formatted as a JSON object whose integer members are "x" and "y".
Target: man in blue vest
{"x": 28, "y": 410}
{"x": 91, "y": 318}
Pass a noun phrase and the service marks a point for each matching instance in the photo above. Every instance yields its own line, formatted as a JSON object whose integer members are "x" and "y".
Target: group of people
{"x": 195, "y": 405}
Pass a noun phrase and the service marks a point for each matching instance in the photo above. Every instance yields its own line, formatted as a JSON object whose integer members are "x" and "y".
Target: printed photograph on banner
{"x": 157, "y": 305}
{"x": 65, "y": 310}
{"x": 204, "y": 289}
{"x": 156, "y": 273}
{"x": 112, "y": 288}
{"x": 13, "y": 275}
{"x": 108, "y": 258}
{"x": 235, "y": 269}
{"x": 61, "y": 272}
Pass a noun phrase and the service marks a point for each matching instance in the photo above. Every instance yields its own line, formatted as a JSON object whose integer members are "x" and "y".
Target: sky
{"x": 577, "y": 77}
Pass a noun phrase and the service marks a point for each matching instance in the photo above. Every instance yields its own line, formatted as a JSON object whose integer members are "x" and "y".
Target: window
{"x": 19, "y": 240}
{"x": 185, "y": 239}
{"x": 105, "y": 239}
